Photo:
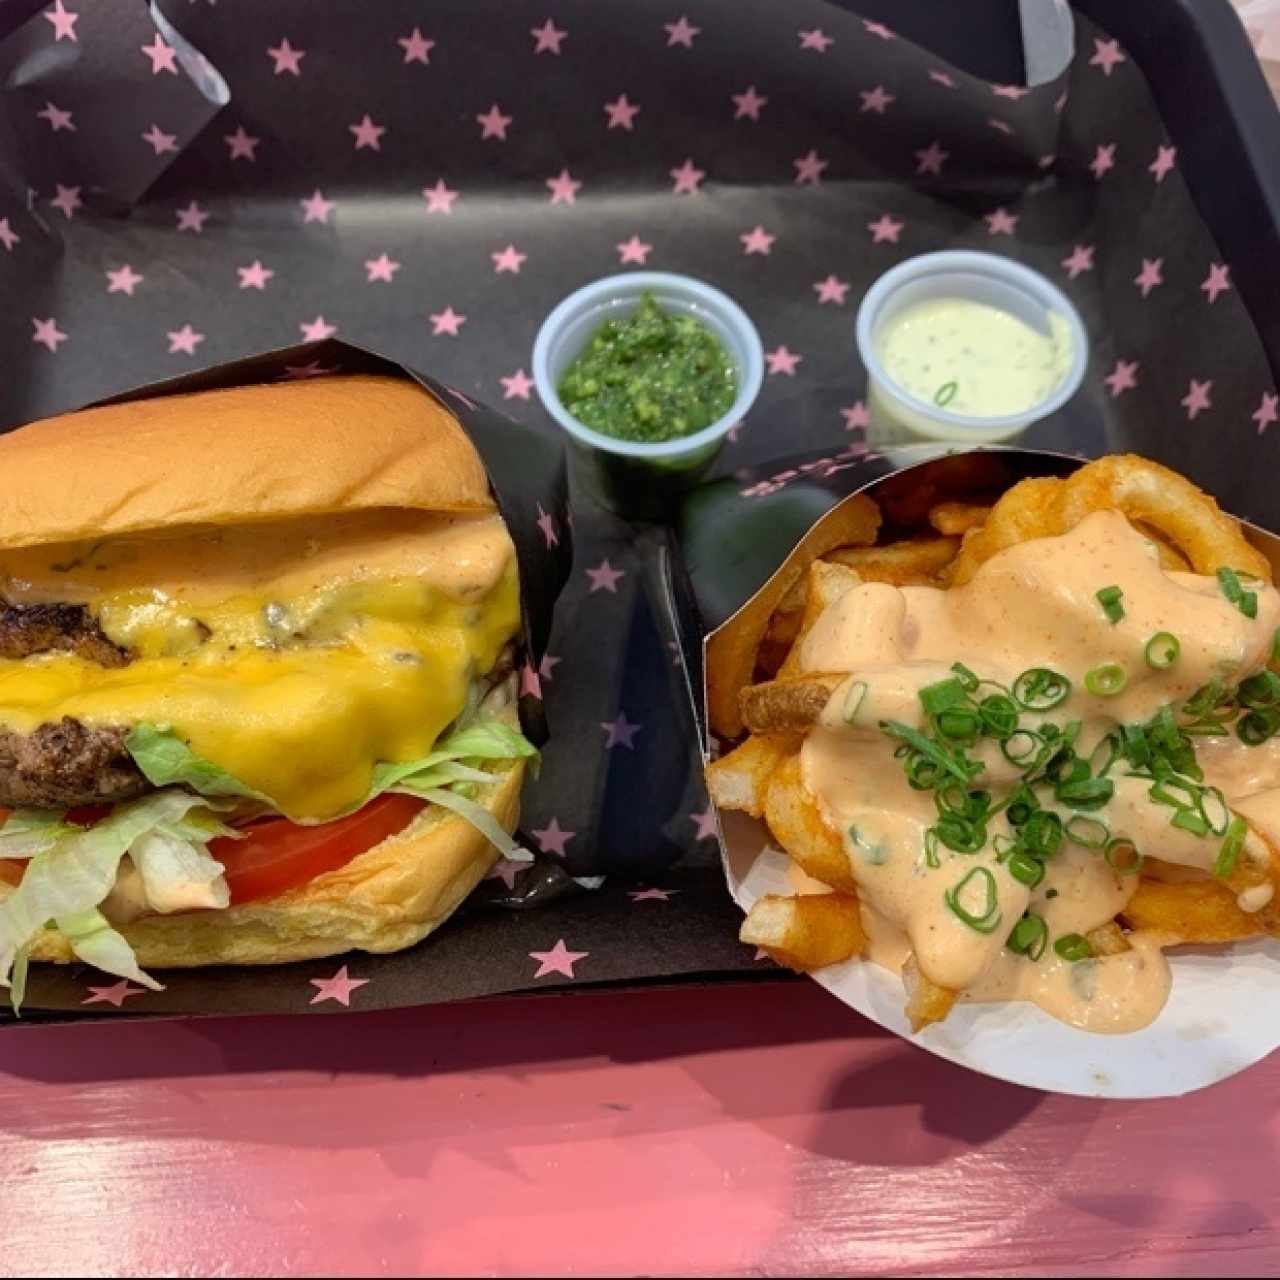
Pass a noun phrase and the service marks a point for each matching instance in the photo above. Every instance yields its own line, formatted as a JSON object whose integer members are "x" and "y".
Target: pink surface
{"x": 746, "y": 1129}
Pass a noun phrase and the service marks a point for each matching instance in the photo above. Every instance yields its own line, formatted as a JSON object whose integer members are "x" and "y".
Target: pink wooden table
{"x": 752, "y": 1129}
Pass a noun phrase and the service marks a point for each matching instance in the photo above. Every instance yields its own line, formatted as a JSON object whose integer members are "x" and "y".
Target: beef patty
{"x": 27, "y": 629}
{"x": 66, "y": 764}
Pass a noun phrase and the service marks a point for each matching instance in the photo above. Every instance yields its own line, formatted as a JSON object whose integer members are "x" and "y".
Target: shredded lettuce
{"x": 479, "y": 817}
{"x": 165, "y": 760}
{"x": 18, "y": 984}
{"x": 95, "y": 942}
{"x": 31, "y": 831}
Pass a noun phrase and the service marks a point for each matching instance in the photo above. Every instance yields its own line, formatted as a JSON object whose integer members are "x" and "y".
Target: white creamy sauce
{"x": 1032, "y": 605}
{"x": 973, "y": 359}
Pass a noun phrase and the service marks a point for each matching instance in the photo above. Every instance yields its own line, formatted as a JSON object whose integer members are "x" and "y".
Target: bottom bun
{"x": 385, "y": 899}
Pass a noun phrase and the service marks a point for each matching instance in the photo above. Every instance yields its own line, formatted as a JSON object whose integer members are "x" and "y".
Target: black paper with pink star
{"x": 186, "y": 184}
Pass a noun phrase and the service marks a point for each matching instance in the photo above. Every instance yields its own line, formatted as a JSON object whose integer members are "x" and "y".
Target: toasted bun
{"x": 385, "y": 899}
{"x": 248, "y": 454}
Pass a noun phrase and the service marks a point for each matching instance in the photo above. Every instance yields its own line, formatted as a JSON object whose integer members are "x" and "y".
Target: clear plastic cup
{"x": 896, "y": 415}
{"x": 634, "y": 478}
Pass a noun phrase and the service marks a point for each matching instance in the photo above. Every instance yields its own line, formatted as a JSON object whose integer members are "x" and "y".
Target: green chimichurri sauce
{"x": 650, "y": 377}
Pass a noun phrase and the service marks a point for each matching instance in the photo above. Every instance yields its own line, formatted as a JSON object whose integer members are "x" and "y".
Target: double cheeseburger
{"x": 256, "y": 678}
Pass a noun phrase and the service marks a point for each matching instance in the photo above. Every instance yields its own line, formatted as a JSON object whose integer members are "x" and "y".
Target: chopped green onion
{"x": 969, "y": 679}
{"x": 1026, "y": 869}
{"x": 1137, "y": 751}
{"x": 853, "y": 701}
{"x": 1229, "y": 854}
{"x": 1275, "y": 645}
{"x": 959, "y": 724}
{"x": 961, "y": 834}
{"x": 1004, "y": 845}
{"x": 1162, "y": 650}
{"x": 999, "y": 715}
{"x": 1040, "y": 689}
{"x": 1022, "y": 803}
{"x": 1216, "y": 811}
{"x": 1072, "y": 947}
{"x": 931, "y": 848}
{"x": 1020, "y": 746}
{"x": 945, "y": 393}
{"x": 931, "y": 750}
{"x": 936, "y": 698}
{"x": 1089, "y": 832}
{"x": 1190, "y": 820}
{"x": 988, "y": 918}
{"x": 1260, "y": 691}
{"x": 1256, "y": 727}
{"x": 1109, "y": 598}
{"x": 1245, "y": 601}
{"x": 1043, "y": 833}
{"x": 1091, "y": 793}
{"x": 1107, "y": 680}
{"x": 1030, "y": 936}
{"x": 1122, "y": 856}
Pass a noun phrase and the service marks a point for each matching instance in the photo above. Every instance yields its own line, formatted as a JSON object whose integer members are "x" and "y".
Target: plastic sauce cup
{"x": 631, "y": 477}
{"x": 896, "y": 415}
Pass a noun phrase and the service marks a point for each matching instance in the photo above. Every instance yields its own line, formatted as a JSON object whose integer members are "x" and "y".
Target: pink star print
{"x": 367, "y": 134}
{"x": 1150, "y": 275}
{"x": 621, "y": 113}
{"x": 877, "y": 29}
{"x": 1104, "y": 160}
{"x": 517, "y": 386}
{"x": 809, "y": 168}
{"x": 1166, "y": 158}
{"x": 123, "y": 280}
{"x": 856, "y": 416}
{"x": 380, "y": 268}
{"x": 1079, "y": 260}
{"x": 339, "y": 987}
{"x": 875, "y": 99}
{"x": 1216, "y": 281}
{"x": 681, "y": 32}
{"x": 1002, "y": 125}
{"x": 756, "y": 241}
{"x": 1000, "y": 222}
{"x": 942, "y": 78}
{"x": 1197, "y": 398}
{"x": 816, "y": 40}
{"x": 8, "y": 236}
{"x": 780, "y": 360}
{"x": 1060, "y": 102}
{"x": 67, "y": 200}
{"x": 547, "y": 37}
{"x": 184, "y": 340}
{"x": 446, "y": 321}
{"x": 241, "y": 144}
{"x": 633, "y": 250}
{"x": 1011, "y": 91}
{"x": 652, "y": 895}
{"x": 64, "y": 22}
{"x": 160, "y": 141}
{"x": 931, "y": 159}
{"x": 546, "y": 522}
{"x": 47, "y": 333}
{"x": 547, "y": 666}
{"x": 564, "y": 188}
{"x": 506, "y": 870}
{"x": 163, "y": 56}
{"x": 831, "y": 290}
{"x": 317, "y": 330}
{"x": 1124, "y": 377}
{"x": 316, "y": 208}
{"x": 254, "y": 276}
{"x": 687, "y": 178}
{"x": 312, "y": 369}
{"x": 885, "y": 227}
{"x": 705, "y": 822}
{"x": 439, "y": 198}
{"x": 509, "y": 259}
{"x": 604, "y": 577}
{"x": 116, "y": 994}
{"x": 747, "y": 104}
{"x": 493, "y": 124}
{"x": 57, "y": 119}
{"x": 553, "y": 838}
{"x": 192, "y": 218}
{"x": 286, "y": 58}
{"x": 1267, "y": 412}
{"x": 558, "y": 960}
{"x": 1106, "y": 54}
{"x": 620, "y": 732}
{"x": 416, "y": 47}
{"x": 529, "y": 682}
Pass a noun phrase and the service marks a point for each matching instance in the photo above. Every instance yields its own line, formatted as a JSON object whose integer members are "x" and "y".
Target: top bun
{"x": 247, "y": 454}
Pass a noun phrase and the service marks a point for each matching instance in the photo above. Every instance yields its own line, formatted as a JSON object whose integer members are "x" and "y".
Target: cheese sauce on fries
{"x": 1093, "y": 606}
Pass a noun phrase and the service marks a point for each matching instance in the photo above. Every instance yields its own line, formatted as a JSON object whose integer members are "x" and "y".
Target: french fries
{"x": 806, "y": 932}
{"x": 943, "y": 523}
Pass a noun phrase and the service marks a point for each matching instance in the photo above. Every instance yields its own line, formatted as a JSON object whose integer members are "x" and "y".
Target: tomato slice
{"x": 276, "y": 854}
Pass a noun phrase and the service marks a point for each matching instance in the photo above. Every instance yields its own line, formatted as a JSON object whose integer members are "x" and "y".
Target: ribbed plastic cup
{"x": 636, "y": 479}
{"x": 898, "y": 417}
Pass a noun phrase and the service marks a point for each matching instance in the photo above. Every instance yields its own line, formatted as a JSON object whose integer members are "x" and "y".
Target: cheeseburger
{"x": 256, "y": 692}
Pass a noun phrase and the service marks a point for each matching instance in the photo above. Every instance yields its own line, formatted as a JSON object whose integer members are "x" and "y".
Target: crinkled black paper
{"x": 427, "y": 182}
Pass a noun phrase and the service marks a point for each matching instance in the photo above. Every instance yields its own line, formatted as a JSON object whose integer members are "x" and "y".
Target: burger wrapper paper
{"x": 1221, "y": 1015}
{"x": 187, "y": 185}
